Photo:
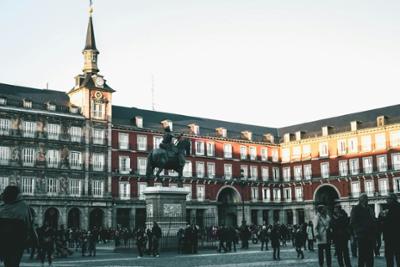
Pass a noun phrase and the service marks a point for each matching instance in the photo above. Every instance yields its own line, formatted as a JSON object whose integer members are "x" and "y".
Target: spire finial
{"x": 90, "y": 7}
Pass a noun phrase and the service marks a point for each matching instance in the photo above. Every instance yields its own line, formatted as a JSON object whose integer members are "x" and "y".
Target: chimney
{"x": 299, "y": 135}
{"x": 139, "y": 121}
{"x": 287, "y": 137}
{"x": 381, "y": 121}
{"x": 194, "y": 129}
{"x": 247, "y": 135}
{"x": 221, "y": 132}
{"x": 269, "y": 138}
{"x": 354, "y": 125}
{"x": 326, "y": 130}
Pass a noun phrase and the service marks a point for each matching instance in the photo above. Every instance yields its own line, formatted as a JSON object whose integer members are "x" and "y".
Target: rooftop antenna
{"x": 47, "y": 85}
{"x": 152, "y": 93}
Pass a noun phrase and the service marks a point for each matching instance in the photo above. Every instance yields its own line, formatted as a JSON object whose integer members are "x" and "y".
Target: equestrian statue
{"x": 169, "y": 156}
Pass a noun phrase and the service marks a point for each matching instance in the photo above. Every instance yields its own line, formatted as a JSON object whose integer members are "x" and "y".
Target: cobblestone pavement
{"x": 242, "y": 258}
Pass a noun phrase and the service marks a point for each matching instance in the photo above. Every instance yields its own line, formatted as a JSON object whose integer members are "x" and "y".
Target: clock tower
{"x": 91, "y": 92}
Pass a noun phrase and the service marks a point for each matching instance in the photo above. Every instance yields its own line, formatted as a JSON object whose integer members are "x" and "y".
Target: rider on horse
{"x": 169, "y": 146}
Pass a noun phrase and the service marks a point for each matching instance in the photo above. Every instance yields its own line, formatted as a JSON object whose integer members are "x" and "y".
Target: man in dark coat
{"x": 15, "y": 226}
{"x": 221, "y": 235}
{"x": 341, "y": 235}
{"x": 391, "y": 231}
{"x": 362, "y": 221}
{"x": 156, "y": 230}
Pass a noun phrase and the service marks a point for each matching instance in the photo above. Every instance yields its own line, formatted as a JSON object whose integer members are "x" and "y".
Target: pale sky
{"x": 265, "y": 62}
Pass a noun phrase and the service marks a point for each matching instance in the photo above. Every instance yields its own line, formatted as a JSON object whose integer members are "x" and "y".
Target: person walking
{"x": 310, "y": 236}
{"x": 341, "y": 236}
{"x": 141, "y": 241}
{"x": 263, "y": 237}
{"x": 391, "y": 231}
{"x": 276, "y": 241}
{"x": 46, "y": 242}
{"x": 321, "y": 229}
{"x": 16, "y": 226}
{"x": 156, "y": 233}
{"x": 92, "y": 241}
{"x": 299, "y": 237}
{"x": 221, "y": 234}
{"x": 362, "y": 220}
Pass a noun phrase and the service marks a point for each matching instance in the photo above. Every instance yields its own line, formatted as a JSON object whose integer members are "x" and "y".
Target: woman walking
{"x": 322, "y": 228}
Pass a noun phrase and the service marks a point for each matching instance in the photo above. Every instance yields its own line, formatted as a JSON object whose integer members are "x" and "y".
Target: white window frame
{"x": 265, "y": 173}
{"x": 323, "y": 149}
{"x": 298, "y": 172}
{"x": 353, "y": 145}
{"x": 5, "y": 126}
{"x": 75, "y": 187}
{"x": 341, "y": 147}
{"x": 124, "y": 163}
{"x": 287, "y": 192}
{"x": 277, "y": 197}
{"x": 98, "y": 161}
{"x": 4, "y": 182}
{"x": 53, "y": 158}
{"x": 366, "y": 143}
{"x": 383, "y": 191}
{"x": 264, "y": 154}
{"x": 157, "y": 140}
{"x": 380, "y": 141}
{"x": 141, "y": 142}
{"x": 53, "y": 131}
{"x": 187, "y": 169}
{"x": 253, "y": 172}
{"x": 254, "y": 194}
{"x": 355, "y": 189}
{"x": 275, "y": 155}
{"x": 98, "y": 136}
{"x": 141, "y": 165}
{"x": 5, "y": 155}
{"x": 228, "y": 171}
{"x": 52, "y": 186}
{"x": 368, "y": 164}
{"x": 97, "y": 188}
{"x": 266, "y": 194}
{"x": 28, "y": 157}
{"x": 369, "y": 187}
{"x": 354, "y": 166}
{"x": 394, "y": 139}
{"x": 200, "y": 169}
{"x": 244, "y": 170}
{"x": 285, "y": 155}
{"x": 75, "y": 160}
{"x": 228, "y": 151}
{"x": 253, "y": 152}
{"x": 27, "y": 186}
{"x": 307, "y": 170}
{"x": 299, "y": 193}
{"x": 141, "y": 187}
{"x": 200, "y": 192}
{"x": 396, "y": 185}
{"x": 296, "y": 153}
{"x": 210, "y": 170}
{"x": 29, "y": 129}
{"x": 98, "y": 110}
{"x": 75, "y": 133}
{"x": 306, "y": 151}
{"x": 124, "y": 190}
{"x": 210, "y": 149}
{"x": 275, "y": 173}
{"x": 325, "y": 173}
{"x": 286, "y": 174}
{"x": 199, "y": 148}
{"x": 381, "y": 161}
{"x": 243, "y": 152}
{"x": 123, "y": 141}
{"x": 189, "y": 189}
{"x": 343, "y": 168}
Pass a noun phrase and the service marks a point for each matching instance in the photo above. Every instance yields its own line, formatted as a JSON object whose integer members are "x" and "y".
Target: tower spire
{"x": 90, "y": 51}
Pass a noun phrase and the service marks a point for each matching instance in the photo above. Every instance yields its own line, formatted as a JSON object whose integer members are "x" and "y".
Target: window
{"x": 253, "y": 153}
{"x": 285, "y": 154}
{"x": 383, "y": 187}
{"x": 124, "y": 190}
{"x": 75, "y": 133}
{"x": 75, "y": 160}
{"x": 277, "y": 194}
{"x": 264, "y": 154}
{"x": 124, "y": 165}
{"x": 53, "y": 158}
{"x": 141, "y": 165}
{"x": 275, "y": 173}
{"x": 98, "y": 162}
{"x": 381, "y": 161}
{"x": 29, "y": 129}
{"x": 355, "y": 189}
{"x": 52, "y": 185}
{"x": 199, "y": 169}
{"x": 4, "y": 126}
{"x": 53, "y": 131}
{"x": 123, "y": 140}
{"x": 199, "y": 148}
{"x": 139, "y": 121}
{"x": 395, "y": 139}
{"x": 298, "y": 172}
{"x": 325, "y": 169}
{"x": 299, "y": 193}
{"x": 141, "y": 188}
{"x": 366, "y": 143}
{"x": 296, "y": 153}
{"x": 227, "y": 151}
{"x": 396, "y": 185}
{"x": 228, "y": 171}
{"x": 27, "y": 185}
{"x": 142, "y": 142}
{"x": 275, "y": 155}
{"x": 369, "y": 187}
{"x": 51, "y": 107}
{"x": 187, "y": 169}
{"x": 266, "y": 194}
{"x": 27, "y": 103}
{"x": 210, "y": 149}
{"x": 354, "y": 166}
{"x": 157, "y": 140}
{"x": 264, "y": 173}
{"x": 98, "y": 110}
{"x": 28, "y": 157}
{"x": 341, "y": 147}
{"x": 306, "y": 151}
{"x": 367, "y": 165}
{"x": 396, "y": 161}
{"x": 200, "y": 192}
{"x": 3, "y": 101}
{"x": 243, "y": 152}
{"x": 288, "y": 194}
{"x": 244, "y": 171}
{"x": 286, "y": 174}
{"x": 380, "y": 141}
{"x": 4, "y": 155}
{"x": 98, "y": 136}
{"x": 254, "y": 172}
{"x": 323, "y": 149}
{"x": 254, "y": 193}
{"x": 97, "y": 188}
{"x": 210, "y": 169}
{"x": 188, "y": 188}
{"x": 307, "y": 171}
{"x": 4, "y": 181}
{"x": 353, "y": 145}
{"x": 343, "y": 168}
{"x": 75, "y": 187}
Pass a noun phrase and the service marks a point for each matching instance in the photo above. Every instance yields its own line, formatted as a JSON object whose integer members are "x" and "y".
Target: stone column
{"x": 132, "y": 216}
{"x": 270, "y": 216}
{"x": 85, "y": 218}
{"x": 63, "y": 216}
{"x": 109, "y": 218}
{"x": 295, "y": 221}
{"x": 247, "y": 214}
{"x": 260, "y": 220}
{"x": 282, "y": 216}
{"x": 377, "y": 209}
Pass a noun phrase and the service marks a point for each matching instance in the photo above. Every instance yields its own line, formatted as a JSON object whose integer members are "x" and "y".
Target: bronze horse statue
{"x": 171, "y": 159}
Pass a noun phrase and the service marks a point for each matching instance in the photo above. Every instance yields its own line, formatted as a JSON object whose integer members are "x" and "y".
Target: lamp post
{"x": 242, "y": 185}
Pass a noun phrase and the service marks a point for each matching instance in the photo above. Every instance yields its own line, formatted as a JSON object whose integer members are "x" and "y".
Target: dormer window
{"x": 167, "y": 123}
{"x": 247, "y": 135}
{"x": 51, "y": 107}
{"x": 221, "y": 132}
{"x": 194, "y": 129}
{"x": 139, "y": 121}
{"x": 268, "y": 138}
{"x": 73, "y": 110}
{"x": 27, "y": 103}
{"x": 3, "y": 101}
{"x": 354, "y": 125}
{"x": 381, "y": 121}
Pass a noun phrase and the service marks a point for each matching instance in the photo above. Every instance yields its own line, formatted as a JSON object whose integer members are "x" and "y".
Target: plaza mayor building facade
{"x": 81, "y": 161}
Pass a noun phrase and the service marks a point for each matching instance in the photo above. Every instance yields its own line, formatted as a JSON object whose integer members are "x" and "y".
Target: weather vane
{"x": 90, "y": 7}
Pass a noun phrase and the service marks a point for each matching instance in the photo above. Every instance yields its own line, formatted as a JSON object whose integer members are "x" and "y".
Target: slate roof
{"x": 90, "y": 40}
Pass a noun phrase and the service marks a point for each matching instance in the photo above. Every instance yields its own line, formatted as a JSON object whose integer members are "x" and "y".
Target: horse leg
{"x": 158, "y": 172}
{"x": 179, "y": 183}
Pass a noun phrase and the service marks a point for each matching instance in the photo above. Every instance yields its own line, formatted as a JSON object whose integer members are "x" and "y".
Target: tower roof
{"x": 90, "y": 40}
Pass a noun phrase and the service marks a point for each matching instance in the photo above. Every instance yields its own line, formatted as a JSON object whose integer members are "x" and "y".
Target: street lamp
{"x": 242, "y": 184}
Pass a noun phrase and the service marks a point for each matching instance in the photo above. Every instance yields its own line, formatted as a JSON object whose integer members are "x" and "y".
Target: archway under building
{"x": 74, "y": 218}
{"x": 228, "y": 200}
{"x": 51, "y": 217}
{"x": 326, "y": 195}
{"x": 96, "y": 218}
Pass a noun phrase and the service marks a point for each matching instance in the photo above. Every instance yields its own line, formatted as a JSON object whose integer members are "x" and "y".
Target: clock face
{"x": 98, "y": 95}
{"x": 99, "y": 81}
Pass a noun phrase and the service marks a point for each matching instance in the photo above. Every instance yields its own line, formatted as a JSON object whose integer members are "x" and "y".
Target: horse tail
{"x": 149, "y": 165}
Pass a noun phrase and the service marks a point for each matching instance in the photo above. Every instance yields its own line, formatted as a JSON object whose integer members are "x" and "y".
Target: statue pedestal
{"x": 166, "y": 206}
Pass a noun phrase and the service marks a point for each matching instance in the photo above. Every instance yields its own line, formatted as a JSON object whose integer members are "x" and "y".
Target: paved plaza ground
{"x": 242, "y": 258}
